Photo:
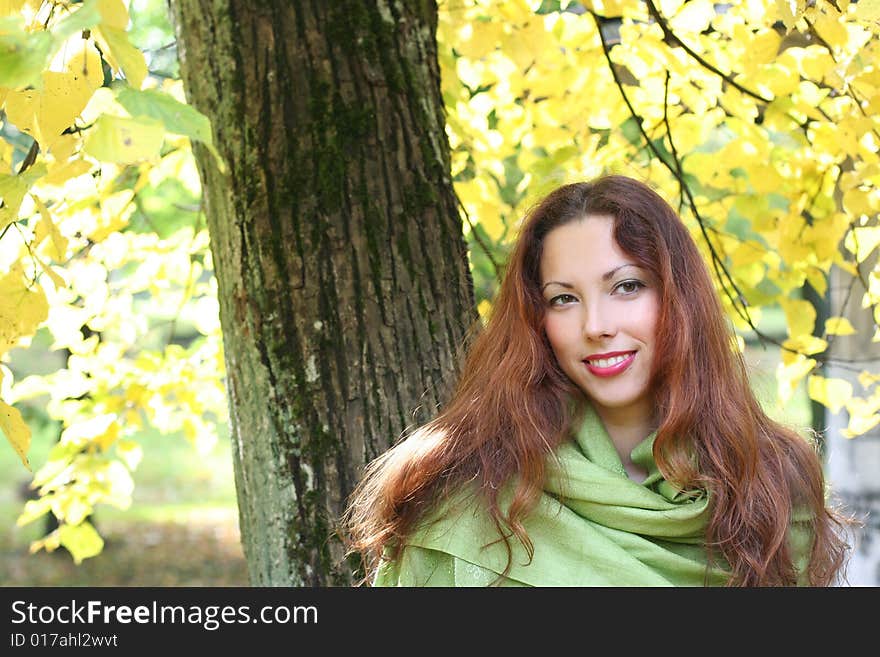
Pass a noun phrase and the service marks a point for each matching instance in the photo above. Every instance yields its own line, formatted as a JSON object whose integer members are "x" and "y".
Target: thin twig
{"x": 717, "y": 263}
{"x": 672, "y": 143}
{"x": 849, "y": 90}
{"x": 480, "y": 240}
{"x": 30, "y": 158}
{"x": 667, "y": 32}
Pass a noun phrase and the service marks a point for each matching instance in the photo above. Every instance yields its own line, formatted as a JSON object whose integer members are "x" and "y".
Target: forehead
{"x": 584, "y": 248}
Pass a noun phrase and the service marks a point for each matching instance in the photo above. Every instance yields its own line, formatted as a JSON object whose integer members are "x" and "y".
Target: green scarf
{"x": 593, "y": 525}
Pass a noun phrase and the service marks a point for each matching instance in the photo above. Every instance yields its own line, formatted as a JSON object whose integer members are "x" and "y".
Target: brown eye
{"x": 560, "y": 299}
{"x": 629, "y": 287}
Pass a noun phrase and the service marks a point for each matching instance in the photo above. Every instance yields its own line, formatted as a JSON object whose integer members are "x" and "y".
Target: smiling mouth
{"x": 605, "y": 363}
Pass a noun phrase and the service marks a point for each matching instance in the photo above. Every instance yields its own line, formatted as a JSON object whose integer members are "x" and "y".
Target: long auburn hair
{"x": 510, "y": 409}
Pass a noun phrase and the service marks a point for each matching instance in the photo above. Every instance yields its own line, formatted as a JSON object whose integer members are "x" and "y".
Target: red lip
{"x": 614, "y": 369}
{"x": 610, "y": 354}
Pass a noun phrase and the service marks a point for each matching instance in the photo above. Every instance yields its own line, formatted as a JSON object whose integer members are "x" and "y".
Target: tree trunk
{"x": 344, "y": 287}
{"x": 854, "y": 463}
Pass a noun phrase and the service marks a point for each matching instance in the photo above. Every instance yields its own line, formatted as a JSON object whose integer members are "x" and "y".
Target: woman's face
{"x": 601, "y": 316}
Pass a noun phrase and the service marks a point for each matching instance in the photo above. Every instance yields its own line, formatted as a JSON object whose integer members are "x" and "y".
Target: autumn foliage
{"x": 759, "y": 120}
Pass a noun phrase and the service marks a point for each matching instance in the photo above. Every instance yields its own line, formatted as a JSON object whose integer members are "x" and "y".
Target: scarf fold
{"x": 592, "y": 526}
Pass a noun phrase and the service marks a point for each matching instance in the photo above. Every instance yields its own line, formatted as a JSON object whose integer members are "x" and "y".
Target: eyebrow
{"x": 605, "y": 277}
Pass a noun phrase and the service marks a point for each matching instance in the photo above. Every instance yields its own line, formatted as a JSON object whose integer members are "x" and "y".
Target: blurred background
{"x": 182, "y": 526}
{"x": 142, "y": 286}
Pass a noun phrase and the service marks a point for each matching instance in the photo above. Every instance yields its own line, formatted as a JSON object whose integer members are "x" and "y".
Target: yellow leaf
{"x": 694, "y": 17}
{"x": 82, "y": 541}
{"x": 79, "y": 57}
{"x": 58, "y": 175}
{"x": 826, "y": 138}
{"x": 34, "y": 509}
{"x": 123, "y": 140}
{"x": 121, "y": 55}
{"x": 868, "y": 10}
{"x": 775, "y": 80}
{"x": 22, "y": 310}
{"x": 50, "y": 543}
{"x": 56, "y": 279}
{"x": 64, "y": 146}
{"x": 831, "y": 29}
{"x": 71, "y": 507}
{"x": 484, "y": 308}
{"x": 790, "y": 11}
{"x": 45, "y": 227}
{"x": 863, "y": 415}
{"x": 764, "y": 178}
{"x": 10, "y": 7}
{"x": 45, "y": 114}
{"x": 846, "y": 265}
{"x": 526, "y": 43}
{"x": 806, "y": 344}
{"x": 113, "y": 13}
{"x": 858, "y": 202}
{"x": 862, "y": 241}
{"x": 12, "y": 191}
{"x": 485, "y": 36}
{"x": 817, "y": 279}
{"x": 17, "y": 432}
{"x": 764, "y": 47}
{"x": 839, "y": 326}
{"x": 814, "y": 62}
{"x": 669, "y": 7}
{"x": 117, "y": 205}
{"x": 860, "y": 424}
{"x": 799, "y": 315}
{"x": 789, "y": 375}
{"x": 130, "y": 452}
{"x": 85, "y": 431}
{"x": 832, "y": 393}
{"x": 825, "y": 235}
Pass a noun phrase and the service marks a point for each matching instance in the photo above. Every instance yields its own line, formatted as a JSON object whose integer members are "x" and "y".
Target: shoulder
{"x": 425, "y": 567}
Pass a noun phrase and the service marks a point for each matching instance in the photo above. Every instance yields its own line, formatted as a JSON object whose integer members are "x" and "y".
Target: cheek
{"x": 557, "y": 333}
{"x": 648, "y": 319}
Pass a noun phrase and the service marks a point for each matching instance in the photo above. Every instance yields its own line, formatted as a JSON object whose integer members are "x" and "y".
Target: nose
{"x": 598, "y": 323}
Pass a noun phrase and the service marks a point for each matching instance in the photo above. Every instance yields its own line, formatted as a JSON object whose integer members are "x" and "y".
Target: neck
{"x": 626, "y": 430}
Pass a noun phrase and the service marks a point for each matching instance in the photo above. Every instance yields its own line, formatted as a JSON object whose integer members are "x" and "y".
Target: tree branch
{"x": 30, "y": 158}
{"x": 676, "y": 170}
{"x": 717, "y": 263}
{"x": 667, "y": 32}
{"x": 479, "y": 240}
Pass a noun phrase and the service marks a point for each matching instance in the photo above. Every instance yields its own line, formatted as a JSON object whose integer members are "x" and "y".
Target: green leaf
{"x": 82, "y": 541}
{"x": 121, "y": 55}
{"x": 23, "y": 55}
{"x": 177, "y": 117}
{"x": 84, "y": 18}
{"x": 123, "y": 140}
{"x": 12, "y": 191}
{"x": 17, "y": 432}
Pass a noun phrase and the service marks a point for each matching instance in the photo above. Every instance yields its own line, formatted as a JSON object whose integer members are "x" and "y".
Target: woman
{"x": 603, "y": 431}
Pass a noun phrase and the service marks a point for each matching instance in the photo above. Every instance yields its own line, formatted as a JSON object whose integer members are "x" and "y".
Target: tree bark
{"x": 854, "y": 463}
{"x": 345, "y": 292}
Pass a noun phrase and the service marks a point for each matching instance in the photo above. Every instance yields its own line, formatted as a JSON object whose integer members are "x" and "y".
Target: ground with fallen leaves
{"x": 200, "y": 550}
